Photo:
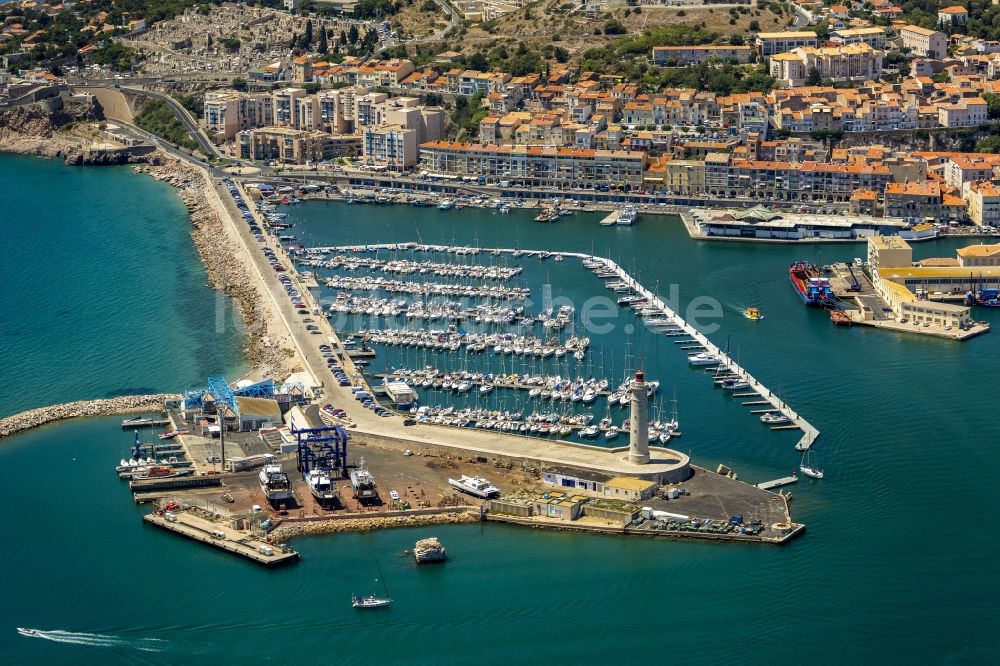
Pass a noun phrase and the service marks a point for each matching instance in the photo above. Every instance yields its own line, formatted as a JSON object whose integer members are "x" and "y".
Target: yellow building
{"x": 629, "y": 489}
{"x": 684, "y": 176}
{"x": 979, "y": 255}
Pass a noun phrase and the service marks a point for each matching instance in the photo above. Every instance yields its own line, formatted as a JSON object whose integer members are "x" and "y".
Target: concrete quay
{"x": 220, "y": 535}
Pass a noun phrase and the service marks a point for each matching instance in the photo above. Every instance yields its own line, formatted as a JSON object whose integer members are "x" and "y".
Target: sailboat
{"x": 371, "y": 600}
{"x": 806, "y": 467}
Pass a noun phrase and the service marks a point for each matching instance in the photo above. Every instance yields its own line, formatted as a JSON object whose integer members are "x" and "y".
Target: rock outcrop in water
{"x": 429, "y": 550}
{"x": 125, "y": 404}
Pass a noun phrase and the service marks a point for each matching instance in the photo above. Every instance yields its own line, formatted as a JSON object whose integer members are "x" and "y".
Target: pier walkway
{"x": 809, "y": 432}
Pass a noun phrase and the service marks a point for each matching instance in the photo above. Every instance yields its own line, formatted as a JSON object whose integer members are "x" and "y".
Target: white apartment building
{"x": 924, "y": 42}
{"x": 771, "y": 43}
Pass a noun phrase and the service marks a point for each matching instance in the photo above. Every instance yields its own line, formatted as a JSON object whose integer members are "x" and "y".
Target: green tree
{"x": 992, "y": 104}
{"x": 989, "y": 144}
{"x": 352, "y": 35}
{"x": 814, "y": 78}
{"x": 307, "y": 38}
{"x": 323, "y": 45}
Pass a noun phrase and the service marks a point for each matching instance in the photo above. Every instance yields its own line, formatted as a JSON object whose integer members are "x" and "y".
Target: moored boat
{"x": 812, "y": 288}
{"x": 627, "y": 215}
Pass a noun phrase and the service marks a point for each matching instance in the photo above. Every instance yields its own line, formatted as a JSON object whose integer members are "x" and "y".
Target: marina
{"x": 727, "y": 373}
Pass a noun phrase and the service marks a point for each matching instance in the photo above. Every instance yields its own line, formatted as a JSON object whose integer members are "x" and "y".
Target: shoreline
{"x": 226, "y": 271}
{"x": 264, "y": 347}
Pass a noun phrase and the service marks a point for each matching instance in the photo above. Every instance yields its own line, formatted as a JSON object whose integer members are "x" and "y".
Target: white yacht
{"x": 321, "y": 486}
{"x": 476, "y": 486}
{"x": 627, "y": 215}
{"x": 274, "y": 482}
{"x": 703, "y": 358}
{"x": 774, "y": 418}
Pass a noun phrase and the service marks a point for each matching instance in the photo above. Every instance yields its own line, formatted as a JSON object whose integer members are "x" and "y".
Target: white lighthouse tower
{"x": 638, "y": 444}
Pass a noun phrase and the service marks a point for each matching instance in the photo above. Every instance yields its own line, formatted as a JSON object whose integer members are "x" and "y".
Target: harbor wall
{"x": 33, "y": 418}
{"x": 291, "y": 527}
{"x": 226, "y": 265}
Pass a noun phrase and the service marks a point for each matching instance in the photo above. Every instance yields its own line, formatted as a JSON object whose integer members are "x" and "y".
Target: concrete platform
{"x": 235, "y": 542}
{"x": 932, "y": 331}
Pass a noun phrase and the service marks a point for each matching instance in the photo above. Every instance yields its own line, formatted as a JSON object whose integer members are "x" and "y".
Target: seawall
{"x": 33, "y": 418}
{"x": 291, "y": 527}
{"x": 226, "y": 269}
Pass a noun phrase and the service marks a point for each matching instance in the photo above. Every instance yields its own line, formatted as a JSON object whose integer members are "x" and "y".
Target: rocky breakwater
{"x": 290, "y": 529}
{"x": 226, "y": 270}
{"x": 126, "y": 404}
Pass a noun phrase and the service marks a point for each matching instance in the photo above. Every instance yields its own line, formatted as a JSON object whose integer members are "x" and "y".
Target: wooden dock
{"x": 232, "y": 541}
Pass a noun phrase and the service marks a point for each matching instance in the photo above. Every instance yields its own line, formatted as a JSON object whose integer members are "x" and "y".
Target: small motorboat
{"x": 753, "y": 314}
{"x": 25, "y": 631}
{"x": 774, "y": 418}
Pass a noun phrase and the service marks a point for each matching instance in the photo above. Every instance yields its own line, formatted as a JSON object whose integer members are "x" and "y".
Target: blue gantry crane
{"x": 321, "y": 448}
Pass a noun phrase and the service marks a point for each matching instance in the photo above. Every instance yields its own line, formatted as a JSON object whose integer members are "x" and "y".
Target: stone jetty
{"x": 125, "y": 404}
{"x": 289, "y": 529}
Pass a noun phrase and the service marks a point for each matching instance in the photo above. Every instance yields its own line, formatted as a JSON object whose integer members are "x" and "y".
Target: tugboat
{"x": 753, "y": 313}
{"x": 812, "y": 288}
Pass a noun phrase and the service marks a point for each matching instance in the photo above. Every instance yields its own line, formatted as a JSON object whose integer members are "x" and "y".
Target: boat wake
{"x": 94, "y": 640}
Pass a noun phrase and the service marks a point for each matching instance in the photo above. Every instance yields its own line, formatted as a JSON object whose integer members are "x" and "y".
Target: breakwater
{"x": 292, "y": 528}
{"x": 227, "y": 268}
{"x": 33, "y": 418}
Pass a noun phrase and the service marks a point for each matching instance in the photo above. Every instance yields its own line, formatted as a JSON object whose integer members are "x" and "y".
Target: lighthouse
{"x": 638, "y": 444}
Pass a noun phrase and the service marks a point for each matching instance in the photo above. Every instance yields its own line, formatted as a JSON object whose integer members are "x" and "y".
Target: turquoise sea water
{"x": 896, "y": 566}
{"x": 103, "y": 292}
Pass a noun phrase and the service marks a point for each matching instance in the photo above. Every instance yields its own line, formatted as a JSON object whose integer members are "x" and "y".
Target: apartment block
{"x": 540, "y": 166}
{"x": 924, "y": 42}
{"x": 854, "y": 62}
{"x": 688, "y": 55}
{"x": 772, "y": 43}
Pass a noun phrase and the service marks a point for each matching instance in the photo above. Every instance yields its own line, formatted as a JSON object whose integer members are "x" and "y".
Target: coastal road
{"x": 182, "y": 114}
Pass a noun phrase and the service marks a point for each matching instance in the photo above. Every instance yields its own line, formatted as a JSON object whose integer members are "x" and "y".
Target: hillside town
{"x": 859, "y": 110}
